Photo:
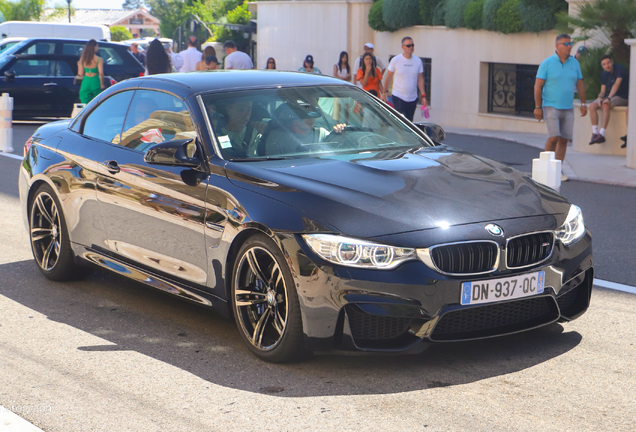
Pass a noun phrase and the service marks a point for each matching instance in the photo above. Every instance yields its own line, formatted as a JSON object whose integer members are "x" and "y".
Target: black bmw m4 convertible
{"x": 306, "y": 209}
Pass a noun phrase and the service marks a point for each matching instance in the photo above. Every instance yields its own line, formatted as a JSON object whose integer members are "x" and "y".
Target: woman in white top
{"x": 342, "y": 69}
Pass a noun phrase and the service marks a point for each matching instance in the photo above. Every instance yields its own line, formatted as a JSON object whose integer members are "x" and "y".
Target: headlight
{"x": 357, "y": 253}
{"x": 573, "y": 228}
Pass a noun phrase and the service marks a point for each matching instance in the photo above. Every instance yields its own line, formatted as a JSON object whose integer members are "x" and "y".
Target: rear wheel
{"x": 265, "y": 302}
{"x": 50, "y": 243}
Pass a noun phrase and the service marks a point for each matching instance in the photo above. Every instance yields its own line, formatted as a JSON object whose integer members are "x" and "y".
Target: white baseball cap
{"x": 368, "y": 45}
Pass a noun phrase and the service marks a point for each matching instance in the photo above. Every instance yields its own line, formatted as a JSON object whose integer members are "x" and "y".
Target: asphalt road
{"x": 106, "y": 354}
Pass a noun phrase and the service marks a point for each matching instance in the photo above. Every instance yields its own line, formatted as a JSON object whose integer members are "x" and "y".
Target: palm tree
{"x": 616, "y": 19}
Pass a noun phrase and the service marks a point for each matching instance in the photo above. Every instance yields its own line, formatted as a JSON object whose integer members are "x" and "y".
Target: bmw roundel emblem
{"x": 495, "y": 230}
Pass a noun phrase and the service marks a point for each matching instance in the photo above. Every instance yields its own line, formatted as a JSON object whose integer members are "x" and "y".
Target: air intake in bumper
{"x": 495, "y": 319}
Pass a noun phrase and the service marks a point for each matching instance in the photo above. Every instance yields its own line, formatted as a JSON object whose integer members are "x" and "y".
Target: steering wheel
{"x": 341, "y": 137}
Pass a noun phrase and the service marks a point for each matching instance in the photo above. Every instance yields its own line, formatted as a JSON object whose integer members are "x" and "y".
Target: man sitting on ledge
{"x": 616, "y": 78}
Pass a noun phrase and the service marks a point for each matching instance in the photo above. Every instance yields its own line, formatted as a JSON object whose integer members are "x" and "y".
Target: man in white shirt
{"x": 409, "y": 76}
{"x": 175, "y": 59}
{"x": 190, "y": 56}
{"x": 368, "y": 48}
{"x": 235, "y": 59}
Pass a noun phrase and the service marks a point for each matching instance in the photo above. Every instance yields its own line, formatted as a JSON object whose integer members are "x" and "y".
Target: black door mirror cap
{"x": 9, "y": 76}
{"x": 432, "y": 130}
{"x": 171, "y": 153}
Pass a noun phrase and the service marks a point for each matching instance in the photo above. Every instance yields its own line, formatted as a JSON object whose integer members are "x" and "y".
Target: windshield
{"x": 14, "y": 48}
{"x": 305, "y": 122}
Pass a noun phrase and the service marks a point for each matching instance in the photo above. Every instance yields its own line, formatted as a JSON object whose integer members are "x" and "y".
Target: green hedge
{"x": 507, "y": 18}
{"x": 399, "y": 14}
{"x": 376, "y": 21}
{"x": 473, "y": 14}
{"x": 455, "y": 12}
{"x": 439, "y": 14}
{"x": 427, "y": 11}
{"x": 490, "y": 8}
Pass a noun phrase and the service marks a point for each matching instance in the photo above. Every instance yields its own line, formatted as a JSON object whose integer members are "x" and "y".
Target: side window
{"x": 32, "y": 67}
{"x": 106, "y": 121}
{"x": 110, "y": 56}
{"x": 156, "y": 117}
{"x": 62, "y": 69}
{"x": 75, "y": 49}
{"x": 40, "y": 48}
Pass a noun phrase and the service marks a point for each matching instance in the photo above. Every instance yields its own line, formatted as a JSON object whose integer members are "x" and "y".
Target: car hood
{"x": 374, "y": 194}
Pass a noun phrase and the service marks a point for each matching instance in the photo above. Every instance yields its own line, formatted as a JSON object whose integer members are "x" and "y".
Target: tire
{"x": 48, "y": 234}
{"x": 265, "y": 302}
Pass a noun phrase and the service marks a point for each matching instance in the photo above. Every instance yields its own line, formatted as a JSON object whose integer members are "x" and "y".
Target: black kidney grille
{"x": 465, "y": 258}
{"x": 367, "y": 326}
{"x": 529, "y": 249}
{"x": 491, "y": 320}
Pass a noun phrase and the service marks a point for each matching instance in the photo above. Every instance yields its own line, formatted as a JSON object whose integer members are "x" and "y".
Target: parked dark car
{"x": 41, "y": 85}
{"x": 119, "y": 62}
{"x": 310, "y": 211}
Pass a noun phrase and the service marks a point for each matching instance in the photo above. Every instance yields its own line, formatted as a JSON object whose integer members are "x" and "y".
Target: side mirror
{"x": 433, "y": 130}
{"x": 9, "y": 76}
{"x": 171, "y": 153}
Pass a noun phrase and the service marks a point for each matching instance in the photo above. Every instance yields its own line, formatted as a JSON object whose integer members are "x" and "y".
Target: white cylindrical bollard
{"x": 77, "y": 108}
{"x": 547, "y": 170}
{"x": 6, "y": 127}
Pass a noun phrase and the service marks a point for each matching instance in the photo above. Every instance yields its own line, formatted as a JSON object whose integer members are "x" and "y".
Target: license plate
{"x": 494, "y": 290}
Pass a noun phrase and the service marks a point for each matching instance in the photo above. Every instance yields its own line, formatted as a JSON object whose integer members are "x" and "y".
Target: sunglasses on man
{"x": 410, "y": 45}
{"x": 567, "y": 44}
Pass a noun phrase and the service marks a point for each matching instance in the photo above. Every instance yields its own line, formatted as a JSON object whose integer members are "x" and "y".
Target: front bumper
{"x": 401, "y": 310}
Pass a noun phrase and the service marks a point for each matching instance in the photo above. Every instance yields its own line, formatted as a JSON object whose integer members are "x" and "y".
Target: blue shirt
{"x": 609, "y": 78}
{"x": 560, "y": 81}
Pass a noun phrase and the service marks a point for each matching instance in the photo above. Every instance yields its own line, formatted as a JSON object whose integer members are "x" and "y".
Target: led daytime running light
{"x": 357, "y": 253}
{"x": 573, "y": 228}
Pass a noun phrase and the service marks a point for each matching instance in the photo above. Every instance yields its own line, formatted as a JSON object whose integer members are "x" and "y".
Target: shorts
{"x": 615, "y": 101}
{"x": 560, "y": 122}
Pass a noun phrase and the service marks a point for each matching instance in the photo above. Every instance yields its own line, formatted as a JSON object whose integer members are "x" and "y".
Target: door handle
{"x": 111, "y": 166}
{"x": 49, "y": 84}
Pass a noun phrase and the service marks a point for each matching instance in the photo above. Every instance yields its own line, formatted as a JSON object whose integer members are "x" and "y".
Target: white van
{"x": 34, "y": 29}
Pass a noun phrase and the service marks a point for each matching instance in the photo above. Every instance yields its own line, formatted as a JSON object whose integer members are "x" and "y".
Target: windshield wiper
{"x": 266, "y": 158}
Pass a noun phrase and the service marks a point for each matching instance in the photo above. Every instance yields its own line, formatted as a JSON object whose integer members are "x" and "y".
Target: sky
{"x": 90, "y": 4}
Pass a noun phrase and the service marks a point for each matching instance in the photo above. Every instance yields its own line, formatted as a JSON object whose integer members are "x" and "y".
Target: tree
{"x": 172, "y": 13}
{"x": 616, "y": 19}
{"x": 239, "y": 15}
{"x": 132, "y": 4}
{"x": 23, "y": 10}
{"x": 120, "y": 33}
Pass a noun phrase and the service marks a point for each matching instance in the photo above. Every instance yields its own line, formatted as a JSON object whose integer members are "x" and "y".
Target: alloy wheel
{"x": 45, "y": 231}
{"x": 260, "y": 298}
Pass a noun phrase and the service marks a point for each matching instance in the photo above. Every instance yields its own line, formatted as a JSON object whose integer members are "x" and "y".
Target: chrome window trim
{"x": 425, "y": 256}
{"x": 215, "y": 145}
{"x": 527, "y": 234}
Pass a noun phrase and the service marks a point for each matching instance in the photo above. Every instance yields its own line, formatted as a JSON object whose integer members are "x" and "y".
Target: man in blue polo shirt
{"x": 558, "y": 77}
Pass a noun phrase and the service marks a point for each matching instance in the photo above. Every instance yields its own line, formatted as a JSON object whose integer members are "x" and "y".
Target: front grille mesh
{"x": 491, "y": 320}
{"x": 529, "y": 249}
{"x": 567, "y": 299}
{"x": 368, "y": 326}
{"x": 465, "y": 258}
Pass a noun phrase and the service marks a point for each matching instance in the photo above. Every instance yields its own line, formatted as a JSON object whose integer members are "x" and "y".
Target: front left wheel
{"x": 50, "y": 243}
{"x": 265, "y": 302}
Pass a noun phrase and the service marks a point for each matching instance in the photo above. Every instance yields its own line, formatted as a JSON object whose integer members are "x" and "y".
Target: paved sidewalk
{"x": 577, "y": 166}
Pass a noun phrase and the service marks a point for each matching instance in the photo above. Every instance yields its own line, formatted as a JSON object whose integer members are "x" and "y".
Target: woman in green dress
{"x": 91, "y": 68}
